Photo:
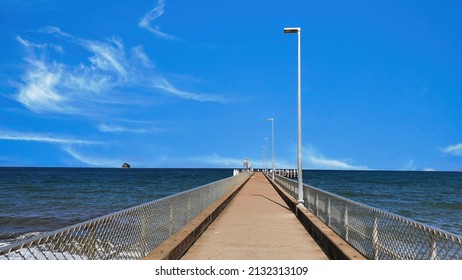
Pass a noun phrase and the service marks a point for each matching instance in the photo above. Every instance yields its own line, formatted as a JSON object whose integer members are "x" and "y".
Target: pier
{"x": 257, "y": 224}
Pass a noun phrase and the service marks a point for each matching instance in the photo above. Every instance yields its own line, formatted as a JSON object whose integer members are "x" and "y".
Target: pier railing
{"x": 377, "y": 234}
{"x": 129, "y": 234}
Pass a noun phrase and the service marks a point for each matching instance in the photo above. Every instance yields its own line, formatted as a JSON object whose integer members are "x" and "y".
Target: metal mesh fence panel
{"x": 127, "y": 235}
{"x": 377, "y": 234}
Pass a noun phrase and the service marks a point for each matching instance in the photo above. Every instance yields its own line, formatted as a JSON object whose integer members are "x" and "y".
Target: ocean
{"x": 37, "y": 200}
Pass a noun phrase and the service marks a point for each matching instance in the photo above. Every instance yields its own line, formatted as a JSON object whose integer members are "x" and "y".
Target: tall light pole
{"x": 272, "y": 143}
{"x": 298, "y": 30}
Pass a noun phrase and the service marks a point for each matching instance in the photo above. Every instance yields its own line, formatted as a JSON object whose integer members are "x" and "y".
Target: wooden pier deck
{"x": 257, "y": 224}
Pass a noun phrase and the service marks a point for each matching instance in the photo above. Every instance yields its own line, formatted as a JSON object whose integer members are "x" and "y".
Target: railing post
{"x": 170, "y": 228}
{"x": 375, "y": 237}
{"x": 316, "y": 204}
{"x": 91, "y": 246}
{"x": 433, "y": 248}
{"x": 328, "y": 211}
{"x": 345, "y": 222}
{"x": 144, "y": 234}
{"x": 189, "y": 207}
{"x": 308, "y": 204}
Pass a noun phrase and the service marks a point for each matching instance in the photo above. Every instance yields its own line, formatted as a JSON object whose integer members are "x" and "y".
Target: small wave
{"x": 11, "y": 238}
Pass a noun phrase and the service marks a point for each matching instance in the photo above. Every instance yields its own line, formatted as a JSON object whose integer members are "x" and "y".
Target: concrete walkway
{"x": 256, "y": 225}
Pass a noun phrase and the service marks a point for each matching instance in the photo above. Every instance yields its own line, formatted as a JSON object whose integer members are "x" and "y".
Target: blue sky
{"x": 165, "y": 83}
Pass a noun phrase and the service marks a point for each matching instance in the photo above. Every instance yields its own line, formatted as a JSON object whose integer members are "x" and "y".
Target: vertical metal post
{"x": 272, "y": 145}
{"x": 91, "y": 245}
{"x": 375, "y": 237}
{"x": 317, "y": 204}
{"x": 266, "y": 161}
{"x": 298, "y": 30}
{"x": 300, "y": 170}
{"x": 308, "y": 204}
{"x": 345, "y": 222}
{"x": 144, "y": 234}
{"x": 170, "y": 228}
{"x": 433, "y": 248}
{"x": 189, "y": 207}
{"x": 328, "y": 211}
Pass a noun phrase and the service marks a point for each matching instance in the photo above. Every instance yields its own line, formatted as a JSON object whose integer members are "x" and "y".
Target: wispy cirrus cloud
{"x": 455, "y": 150}
{"x": 165, "y": 85}
{"x": 146, "y": 21}
{"x": 104, "y": 78}
{"x": 70, "y": 145}
{"x": 92, "y": 160}
{"x": 123, "y": 129}
{"x": 44, "y": 138}
{"x": 410, "y": 166}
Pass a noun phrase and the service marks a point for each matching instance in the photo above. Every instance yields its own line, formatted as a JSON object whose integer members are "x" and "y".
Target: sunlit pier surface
{"x": 257, "y": 224}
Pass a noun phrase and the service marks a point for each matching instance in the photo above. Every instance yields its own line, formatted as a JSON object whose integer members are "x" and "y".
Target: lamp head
{"x": 292, "y": 30}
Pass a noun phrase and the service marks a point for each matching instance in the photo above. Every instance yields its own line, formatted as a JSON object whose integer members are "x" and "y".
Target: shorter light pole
{"x": 266, "y": 160}
{"x": 272, "y": 144}
{"x": 263, "y": 159}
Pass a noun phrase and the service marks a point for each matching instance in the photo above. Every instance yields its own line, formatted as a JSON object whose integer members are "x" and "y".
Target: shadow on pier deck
{"x": 255, "y": 221}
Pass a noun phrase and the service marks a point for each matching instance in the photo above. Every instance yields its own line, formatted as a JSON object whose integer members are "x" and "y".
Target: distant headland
{"x": 125, "y": 165}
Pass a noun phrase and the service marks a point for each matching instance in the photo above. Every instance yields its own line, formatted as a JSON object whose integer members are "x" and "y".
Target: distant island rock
{"x": 125, "y": 165}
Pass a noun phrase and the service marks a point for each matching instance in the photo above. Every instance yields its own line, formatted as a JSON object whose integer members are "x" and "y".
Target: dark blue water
{"x": 35, "y": 200}
{"x": 433, "y": 198}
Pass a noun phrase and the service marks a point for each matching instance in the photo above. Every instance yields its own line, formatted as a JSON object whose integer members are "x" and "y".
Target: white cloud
{"x": 37, "y": 137}
{"x": 107, "y": 56}
{"x": 146, "y": 21}
{"x": 166, "y": 86}
{"x": 410, "y": 166}
{"x": 29, "y": 44}
{"x": 92, "y": 160}
{"x": 316, "y": 159}
{"x": 39, "y": 93}
{"x": 105, "y": 77}
{"x": 68, "y": 144}
{"x": 117, "y": 129}
{"x": 139, "y": 54}
{"x": 455, "y": 150}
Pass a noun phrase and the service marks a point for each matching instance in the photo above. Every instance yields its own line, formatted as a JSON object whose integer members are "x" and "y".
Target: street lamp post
{"x": 300, "y": 170}
{"x": 272, "y": 144}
